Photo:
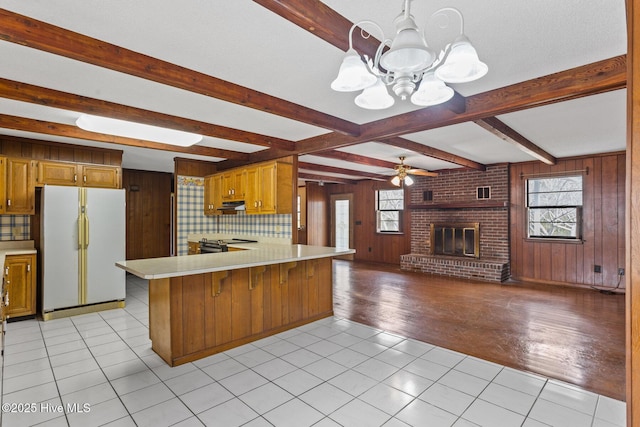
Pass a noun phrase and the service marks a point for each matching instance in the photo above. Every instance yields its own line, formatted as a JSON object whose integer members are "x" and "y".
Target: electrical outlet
{"x": 597, "y": 269}
{"x": 621, "y": 272}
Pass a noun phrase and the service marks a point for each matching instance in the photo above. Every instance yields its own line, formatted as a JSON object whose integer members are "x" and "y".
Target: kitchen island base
{"x": 195, "y": 316}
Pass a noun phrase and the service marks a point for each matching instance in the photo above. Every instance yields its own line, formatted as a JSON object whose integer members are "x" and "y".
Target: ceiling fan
{"x": 403, "y": 171}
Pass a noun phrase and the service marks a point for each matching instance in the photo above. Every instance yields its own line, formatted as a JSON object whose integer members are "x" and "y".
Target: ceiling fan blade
{"x": 421, "y": 172}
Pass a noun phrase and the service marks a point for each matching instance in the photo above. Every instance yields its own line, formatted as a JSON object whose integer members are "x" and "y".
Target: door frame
{"x": 332, "y": 221}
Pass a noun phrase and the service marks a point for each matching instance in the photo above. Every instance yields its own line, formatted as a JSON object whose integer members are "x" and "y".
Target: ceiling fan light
{"x": 462, "y": 65}
{"x": 137, "y": 130}
{"x": 353, "y": 74}
{"x": 432, "y": 91}
{"x": 396, "y": 181}
{"x": 408, "y": 180}
{"x": 375, "y": 97}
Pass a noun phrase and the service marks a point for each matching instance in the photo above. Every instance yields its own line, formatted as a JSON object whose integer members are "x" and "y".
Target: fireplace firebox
{"x": 461, "y": 239}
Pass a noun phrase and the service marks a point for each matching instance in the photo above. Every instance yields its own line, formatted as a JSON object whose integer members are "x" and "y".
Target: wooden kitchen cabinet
{"x": 100, "y": 176}
{"x": 233, "y": 185}
{"x": 20, "y": 188}
{"x": 193, "y": 248}
{"x": 56, "y": 173}
{"x": 74, "y": 174}
{"x": 212, "y": 194}
{"x": 269, "y": 188}
{"x": 3, "y": 184}
{"x": 20, "y": 285}
{"x": 197, "y": 315}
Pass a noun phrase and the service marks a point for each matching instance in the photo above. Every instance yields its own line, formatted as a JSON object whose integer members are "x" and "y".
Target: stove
{"x": 216, "y": 246}
{"x": 212, "y": 246}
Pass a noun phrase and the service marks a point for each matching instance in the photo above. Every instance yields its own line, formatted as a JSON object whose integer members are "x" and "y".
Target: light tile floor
{"x": 99, "y": 369}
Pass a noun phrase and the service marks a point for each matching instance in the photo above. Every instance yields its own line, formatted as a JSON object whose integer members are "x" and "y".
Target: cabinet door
{"x": 20, "y": 285}
{"x": 56, "y": 173}
{"x": 100, "y": 176}
{"x": 20, "y": 187}
{"x": 3, "y": 184}
{"x": 228, "y": 184}
{"x": 268, "y": 189}
{"x": 252, "y": 191}
{"x": 208, "y": 195}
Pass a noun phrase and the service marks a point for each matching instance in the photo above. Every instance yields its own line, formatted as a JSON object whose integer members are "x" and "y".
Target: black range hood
{"x": 232, "y": 206}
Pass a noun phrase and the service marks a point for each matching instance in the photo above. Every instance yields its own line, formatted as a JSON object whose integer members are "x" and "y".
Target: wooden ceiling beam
{"x": 356, "y": 158}
{"x": 331, "y": 169}
{"x": 24, "y": 92}
{"x": 26, "y": 31}
{"x": 503, "y": 131}
{"x": 591, "y": 79}
{"x": 322, "y": 21}
{"x": 435, "y": 153}
{"x": 325, "y": 178}
{"x": 69, "y": 131}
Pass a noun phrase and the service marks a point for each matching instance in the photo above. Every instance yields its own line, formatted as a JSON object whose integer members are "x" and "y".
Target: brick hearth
{"x": 454, "y": 201}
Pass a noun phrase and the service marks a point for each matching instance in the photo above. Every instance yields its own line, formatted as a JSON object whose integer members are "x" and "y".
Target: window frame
{"x": 400, "y": 212}
{"x": 578, "y": 238}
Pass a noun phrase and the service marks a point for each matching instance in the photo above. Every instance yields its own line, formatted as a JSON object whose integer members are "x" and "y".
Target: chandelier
{"x": 409, "y": 66}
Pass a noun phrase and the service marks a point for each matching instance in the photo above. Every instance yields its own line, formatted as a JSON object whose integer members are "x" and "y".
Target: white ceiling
{"x": 244, "y": 43}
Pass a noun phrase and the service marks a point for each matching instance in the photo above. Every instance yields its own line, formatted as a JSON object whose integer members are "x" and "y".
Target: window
{"x": 554, "y": 207}
{"x": 389, "y": 205}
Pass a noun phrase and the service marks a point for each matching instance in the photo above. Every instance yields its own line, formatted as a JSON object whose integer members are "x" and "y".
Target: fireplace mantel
{"x": 461, "y": 205}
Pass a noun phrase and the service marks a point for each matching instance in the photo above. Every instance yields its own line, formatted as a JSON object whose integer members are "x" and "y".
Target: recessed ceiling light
{"x": 137, "y": 130}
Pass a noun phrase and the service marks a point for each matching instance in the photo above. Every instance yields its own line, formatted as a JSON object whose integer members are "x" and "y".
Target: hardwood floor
{"x": 574, "y": 335}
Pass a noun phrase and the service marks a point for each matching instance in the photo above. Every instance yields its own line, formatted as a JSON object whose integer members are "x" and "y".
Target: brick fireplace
{"x": 458, "y": 201}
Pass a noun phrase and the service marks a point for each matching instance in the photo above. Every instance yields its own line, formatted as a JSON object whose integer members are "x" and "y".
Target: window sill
{"x": 553, "y": 240}
{"x": 392, "y": 233}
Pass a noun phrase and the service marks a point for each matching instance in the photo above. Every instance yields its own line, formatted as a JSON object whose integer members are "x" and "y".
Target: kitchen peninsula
{"x": 203, "y": 304}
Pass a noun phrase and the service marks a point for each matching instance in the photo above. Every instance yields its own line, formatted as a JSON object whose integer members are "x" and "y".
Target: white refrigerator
{"x": 83, "y": 235}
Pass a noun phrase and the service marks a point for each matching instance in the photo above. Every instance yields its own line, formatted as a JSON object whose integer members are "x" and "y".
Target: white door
{"x": 341, "y": 222}
{"x": 105, "y": 209}
{"x": 59, "y": 245}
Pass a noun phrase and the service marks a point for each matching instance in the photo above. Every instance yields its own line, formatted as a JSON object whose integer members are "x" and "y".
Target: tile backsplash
{"x": 192, "y": 220}
{"x": 15, "y": 227}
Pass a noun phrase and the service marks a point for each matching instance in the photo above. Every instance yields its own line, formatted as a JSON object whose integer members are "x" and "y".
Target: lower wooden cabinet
{"x": 20, "y": 285}
{"x": 194, "y": 248}
{"x": 191, "y": 317}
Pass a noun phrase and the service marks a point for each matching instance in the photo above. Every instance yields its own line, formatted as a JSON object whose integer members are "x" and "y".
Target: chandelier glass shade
{"x": 408, "y": 65}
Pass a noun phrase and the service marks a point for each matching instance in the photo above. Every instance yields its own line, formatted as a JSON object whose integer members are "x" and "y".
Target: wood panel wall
{"x": 12, "y": 146}
{"x": 148, "y": 213}
{"x": 190, "y": 167}
{"x": 317, "y": 214}
{"x": 603, "y": 226}
{"x": 370, "y": 245}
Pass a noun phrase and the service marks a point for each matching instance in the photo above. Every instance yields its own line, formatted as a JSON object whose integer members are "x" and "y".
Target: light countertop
{"x": 15, "y": 247}
{"x": 257, "y": 254}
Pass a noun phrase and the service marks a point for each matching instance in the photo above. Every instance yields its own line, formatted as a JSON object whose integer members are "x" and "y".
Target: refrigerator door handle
{"x": 80, "y": 228}
{"x": 86, "y": 231}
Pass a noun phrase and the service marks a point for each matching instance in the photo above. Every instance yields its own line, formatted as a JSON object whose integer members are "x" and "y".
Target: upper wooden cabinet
{"x": 20, "y": 189}
{"x": 62, "y": 173}
{"x": 56, "y": 173}
{"x": 3, "y": 184}
{"x": 101, "y": 176}
{"x": 233, "y": 185}
{"x": 269, "y": 188}
{"x": 266, "y": 188}
{"x": 212, "y": 194}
